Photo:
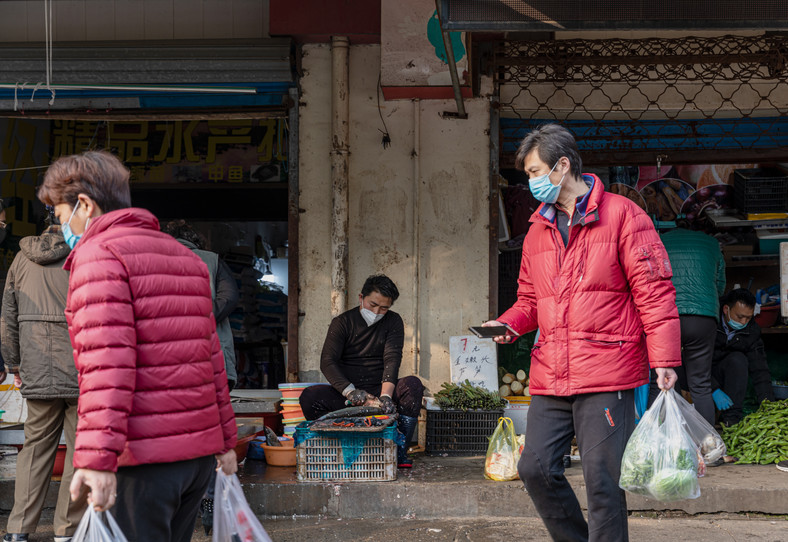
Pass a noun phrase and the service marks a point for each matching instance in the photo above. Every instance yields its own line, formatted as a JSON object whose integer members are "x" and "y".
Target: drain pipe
{"x": 415, "y": 154}
{"x": 455, "y": 81}
{"x": 340, "y": 110}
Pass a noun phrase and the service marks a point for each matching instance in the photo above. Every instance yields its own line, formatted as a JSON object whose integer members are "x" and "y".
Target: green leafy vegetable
{"x": 673, "y": 484}
{"x": 466, "y": 396}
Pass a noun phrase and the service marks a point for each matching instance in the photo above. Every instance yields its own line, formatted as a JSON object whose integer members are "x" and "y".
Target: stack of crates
{"x": 346, "y": 456}
{"x": 460, "y": 432}
{"x": 760, "y": 191}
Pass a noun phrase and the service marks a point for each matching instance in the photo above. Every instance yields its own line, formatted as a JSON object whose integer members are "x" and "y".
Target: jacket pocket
{"x": 653, "y": 262}
{"x": 611, "y": 344}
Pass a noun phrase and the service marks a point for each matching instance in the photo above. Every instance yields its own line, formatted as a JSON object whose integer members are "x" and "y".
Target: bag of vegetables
{"x": 503, "y": 452}
{"x": 661, "y": 461}
{"x": 706, "y": 438}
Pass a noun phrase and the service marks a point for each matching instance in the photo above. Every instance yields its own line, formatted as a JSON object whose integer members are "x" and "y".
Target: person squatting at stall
{"x": 361, "y": 359}
{"x": 738, "y": 356}
{"x": 154, "y": 410}
{"x": 595, "y": 280}
{"x": 37, "y": 348}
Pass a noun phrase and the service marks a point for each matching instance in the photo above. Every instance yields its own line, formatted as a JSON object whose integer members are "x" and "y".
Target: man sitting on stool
{"x": 738, "y": 356}
{"x": 361, "y": 358}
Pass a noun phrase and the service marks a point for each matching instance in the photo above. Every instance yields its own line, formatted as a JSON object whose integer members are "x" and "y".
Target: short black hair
{"x": 180, "y": 229}
{"x": 382, "y": 285}
{"x": 739, "y": 295}
{"x": 551, "y": 141}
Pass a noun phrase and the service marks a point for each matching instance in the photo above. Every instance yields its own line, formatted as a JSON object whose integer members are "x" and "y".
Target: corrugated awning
{"x": 264, "y": 66}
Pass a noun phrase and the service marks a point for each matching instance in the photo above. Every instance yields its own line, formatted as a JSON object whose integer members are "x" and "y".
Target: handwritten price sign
{"x": 474, "y": 359}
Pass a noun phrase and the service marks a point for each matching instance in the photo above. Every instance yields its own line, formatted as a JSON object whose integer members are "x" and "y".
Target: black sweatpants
{"x": 732, "y": 372}
{"x": 323, "y": 398}
{"x": 602, "y": 423}
{"x": 160, "y": 501}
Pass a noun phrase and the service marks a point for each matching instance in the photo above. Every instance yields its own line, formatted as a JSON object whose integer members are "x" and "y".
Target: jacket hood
{"x": 45, "y": 248}
{"x": 131, "y": 217}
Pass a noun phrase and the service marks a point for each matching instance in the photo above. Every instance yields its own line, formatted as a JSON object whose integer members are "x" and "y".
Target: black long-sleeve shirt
{"x": 365, "y": 356}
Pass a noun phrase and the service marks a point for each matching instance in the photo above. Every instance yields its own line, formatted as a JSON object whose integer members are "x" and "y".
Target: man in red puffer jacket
{"x": 153, "y": 405}
{"x": 595, "y": 280}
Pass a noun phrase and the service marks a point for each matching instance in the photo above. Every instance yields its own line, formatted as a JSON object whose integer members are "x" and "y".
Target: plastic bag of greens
{"x": 233, "y": 520}
{"x": 503, "y": 453}
{"x": 706, "y": 438}
{"x": 98, "y": 527}
{"x": 661, "y": 460}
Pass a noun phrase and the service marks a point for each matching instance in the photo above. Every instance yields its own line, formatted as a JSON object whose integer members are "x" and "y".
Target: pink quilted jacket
{"x": 604, "y": 305}
{"x": 152, "y": 383}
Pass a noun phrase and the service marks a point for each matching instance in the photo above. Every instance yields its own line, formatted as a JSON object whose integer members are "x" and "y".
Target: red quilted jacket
{"x": 604, "y": 305}
{"x": 152, "y": 383}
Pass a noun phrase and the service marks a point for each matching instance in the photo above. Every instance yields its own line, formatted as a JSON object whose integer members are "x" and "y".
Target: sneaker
{"x": 15, "y": 537}
{"x": 783, "y": 466}
{"x": 405, "y": 463}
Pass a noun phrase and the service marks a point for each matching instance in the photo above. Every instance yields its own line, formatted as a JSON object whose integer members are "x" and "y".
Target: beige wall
{"x": 452, "y": 211}
{"x": 110, "y": 20}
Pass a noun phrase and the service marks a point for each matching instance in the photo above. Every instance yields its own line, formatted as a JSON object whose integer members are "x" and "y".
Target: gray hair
{"x": 551, "y": 142}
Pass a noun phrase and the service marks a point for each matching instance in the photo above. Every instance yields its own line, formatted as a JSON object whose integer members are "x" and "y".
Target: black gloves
{"x": 387, "y": 405}
{"x": 358, "y": 397}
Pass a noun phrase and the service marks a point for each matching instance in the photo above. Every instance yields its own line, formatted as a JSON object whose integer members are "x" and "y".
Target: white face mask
{"x": 369, "y": 316}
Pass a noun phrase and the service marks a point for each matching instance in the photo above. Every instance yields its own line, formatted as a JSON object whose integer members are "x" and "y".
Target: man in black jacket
{"x": 361, "y": 359}
{"x": 738, "y": 356}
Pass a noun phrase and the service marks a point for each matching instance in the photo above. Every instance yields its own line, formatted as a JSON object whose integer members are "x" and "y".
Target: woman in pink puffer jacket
{"x": 154, "y": 408}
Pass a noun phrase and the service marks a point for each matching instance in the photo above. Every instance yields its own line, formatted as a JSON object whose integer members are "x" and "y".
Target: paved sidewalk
{"x": 660, "y": 527}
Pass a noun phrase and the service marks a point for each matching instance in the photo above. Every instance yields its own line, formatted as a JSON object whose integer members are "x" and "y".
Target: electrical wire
{"x": 386, "y": 137}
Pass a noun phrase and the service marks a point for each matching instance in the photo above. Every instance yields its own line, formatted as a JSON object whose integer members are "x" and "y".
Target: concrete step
{"x": 439, "y": 487}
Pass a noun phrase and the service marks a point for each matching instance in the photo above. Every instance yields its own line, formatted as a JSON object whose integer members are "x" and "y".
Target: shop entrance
{"x": 227, "y": 177}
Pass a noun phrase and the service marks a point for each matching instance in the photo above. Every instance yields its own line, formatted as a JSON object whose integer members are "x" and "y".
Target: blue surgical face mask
{"x": 543, "y": 190}
{"x": 68, "y": 235}
{"x": 734, "y": 325}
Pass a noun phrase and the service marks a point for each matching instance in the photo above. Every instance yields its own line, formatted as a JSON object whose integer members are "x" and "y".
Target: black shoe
{"x": 567, "y": 461}
{"x": 206, "y": 515}
{"x": 15, "y": 537}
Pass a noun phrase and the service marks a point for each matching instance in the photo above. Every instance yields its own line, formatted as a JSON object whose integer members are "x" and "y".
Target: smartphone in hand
{"x": 488, "y": 332}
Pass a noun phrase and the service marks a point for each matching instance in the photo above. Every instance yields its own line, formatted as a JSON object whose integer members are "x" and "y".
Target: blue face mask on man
{"x": 544, "y": 190}
{"x": 733, "y": 324}
{"x": 69, "y": 236}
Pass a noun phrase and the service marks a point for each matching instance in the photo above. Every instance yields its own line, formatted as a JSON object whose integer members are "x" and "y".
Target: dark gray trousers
{"x": 697, "y": 351}
{"x": 160, "y": 501}
{"x": 602, "y": 423}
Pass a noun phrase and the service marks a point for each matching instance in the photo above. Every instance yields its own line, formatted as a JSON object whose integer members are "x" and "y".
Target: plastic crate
{"x": 458, "y": 432}
{"x": 347, "y": 457}
{"x": 760, "y": 190}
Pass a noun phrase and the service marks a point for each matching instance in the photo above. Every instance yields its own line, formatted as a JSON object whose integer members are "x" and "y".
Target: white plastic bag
{"x": 233, "y": 520}
{"x": 661, "y": 460}
{"x": 98, "y": 527}
{"x": 703, "y": 434}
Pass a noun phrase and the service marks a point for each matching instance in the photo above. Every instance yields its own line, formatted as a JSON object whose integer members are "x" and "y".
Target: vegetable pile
{"x": 466, "y": 396}
{"x": 761, "y": 437}
{"x": 513, "y": 384}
